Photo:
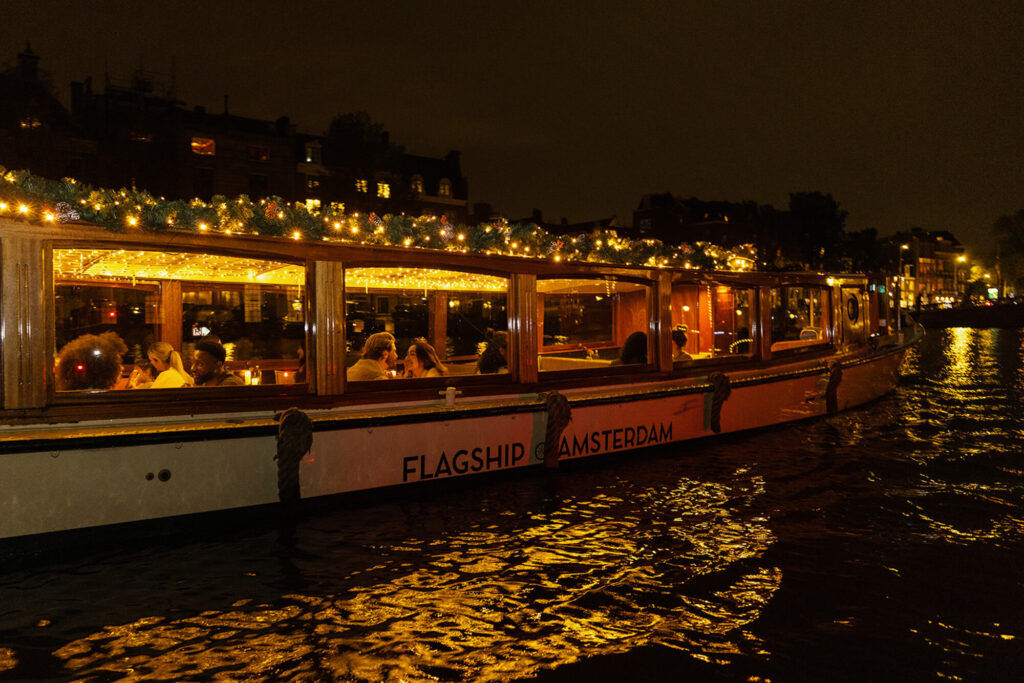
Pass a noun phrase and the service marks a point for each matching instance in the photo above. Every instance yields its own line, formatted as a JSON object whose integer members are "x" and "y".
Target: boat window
{"x": 855, "y": 330}
{"x": 800, "y": 318}
{"x": 711, "y": 320}
{"x": 247, "y": 315}
{"x": 441, "y": 322}
{"x": 589, "y": 324}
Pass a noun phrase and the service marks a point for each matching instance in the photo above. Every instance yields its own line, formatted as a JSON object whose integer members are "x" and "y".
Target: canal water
{"x": 882, "y": 543}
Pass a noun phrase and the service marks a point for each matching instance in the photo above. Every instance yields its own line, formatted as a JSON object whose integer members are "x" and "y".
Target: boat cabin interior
{"x": 293, "y": 318}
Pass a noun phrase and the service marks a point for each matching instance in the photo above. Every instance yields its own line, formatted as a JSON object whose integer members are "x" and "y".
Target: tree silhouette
{"x": 1009, "y": 234}
{"x": 816, "y": 229}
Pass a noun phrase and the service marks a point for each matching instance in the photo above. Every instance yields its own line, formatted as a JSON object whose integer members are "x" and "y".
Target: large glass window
{"x": 800, "y": 318}
{"x": 711, "y": 320}
{"x": 247, "y": 315}
{"x": 589, "y": 323}
{"x": 452, "y": 322}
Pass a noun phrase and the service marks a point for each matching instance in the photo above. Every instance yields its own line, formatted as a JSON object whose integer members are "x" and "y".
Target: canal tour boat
{"x": 586, "y": 357}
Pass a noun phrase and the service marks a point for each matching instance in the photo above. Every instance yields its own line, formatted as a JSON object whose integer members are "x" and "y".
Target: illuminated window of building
{"x": 313, "y": 205}
{"x": 444, "y": 189}
{"x": 416, "y": 184}
{"x": 257, "y": 308}
{"x": 449, "y": 310}
{"x": 204, "y": 146}
{"x": 258, "y": 153}
{"x": 312, "y": 182}
{"x": 362, "y": 185}
{"x": 383, "y": 190}
{"x": 590, "y": 323}
{"x": 31, "y": 122}
{"x": 312, "y": 154}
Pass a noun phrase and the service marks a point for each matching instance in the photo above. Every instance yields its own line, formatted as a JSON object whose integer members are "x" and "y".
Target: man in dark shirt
{"x": 208, "y": 366}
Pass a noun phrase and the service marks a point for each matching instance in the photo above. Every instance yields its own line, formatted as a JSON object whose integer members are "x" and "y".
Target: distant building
{"x": 138, "y": 134}
{"x": 931, "y": 265}
{"x": 673, "y": 220}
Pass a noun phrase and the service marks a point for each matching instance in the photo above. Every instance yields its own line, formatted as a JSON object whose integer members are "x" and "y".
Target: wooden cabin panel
{"x": 523, "y": 327}
{"x": 329, "y": 311}
{"x": 630, "y": 315}
{"x": 27, "y": 346}
{"x": 169, "y": 329}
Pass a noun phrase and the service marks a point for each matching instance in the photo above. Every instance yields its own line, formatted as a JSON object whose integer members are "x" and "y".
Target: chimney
{"x": 28, "y": 64}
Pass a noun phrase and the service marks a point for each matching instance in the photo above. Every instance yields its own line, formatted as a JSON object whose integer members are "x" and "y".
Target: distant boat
{"x": 588, "y": 359}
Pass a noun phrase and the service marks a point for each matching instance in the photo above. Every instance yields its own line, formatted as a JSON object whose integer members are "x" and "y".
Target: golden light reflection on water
{"x": 591, "y": 577}
{"x": 7, "y": 659}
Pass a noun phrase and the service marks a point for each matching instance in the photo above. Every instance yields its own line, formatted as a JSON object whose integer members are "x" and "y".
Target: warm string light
{"x": 272, "y": 216}
{"x": 124, "y": 264}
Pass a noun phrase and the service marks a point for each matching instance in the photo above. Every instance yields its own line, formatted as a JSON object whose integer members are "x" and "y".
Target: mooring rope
{"x": 559, "y": 415}
{"x": 834, "y": 378}
{"x": 720, "y": 384}
{"x": 294, "y": 439}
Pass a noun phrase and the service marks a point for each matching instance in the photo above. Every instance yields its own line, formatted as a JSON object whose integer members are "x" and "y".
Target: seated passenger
{"x": 679, "y": 341}
{"x": 167, "y": 362}
{"x": 142, "y": 376}
{"x": 421, "y": 361}
{"x": 379, "y": 359}
{"x": 494, "y": 358}
{"x": 208, "y": 366}
{"x": 90, "y": 362}
{"x": 634, "y": 350}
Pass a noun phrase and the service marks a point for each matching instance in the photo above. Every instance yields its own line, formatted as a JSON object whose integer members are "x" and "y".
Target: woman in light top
{"x": 167, "y": 363}
{"x": 421, "y": 361}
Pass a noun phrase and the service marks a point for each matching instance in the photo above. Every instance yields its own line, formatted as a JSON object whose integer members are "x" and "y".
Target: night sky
{"x": 908, "y": 113}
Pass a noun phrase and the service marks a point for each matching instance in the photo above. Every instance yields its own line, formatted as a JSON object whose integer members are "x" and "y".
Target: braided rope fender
{"x": 294, "y": 439}
{"x": 559, "y": 415}
{"x": 834, "y": 378}
{"x": 713, "y": 401}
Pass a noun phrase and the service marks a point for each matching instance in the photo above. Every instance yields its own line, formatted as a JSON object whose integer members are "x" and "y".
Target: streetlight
{"x": 956, "y": 290}
{"x": 899, "y": 268}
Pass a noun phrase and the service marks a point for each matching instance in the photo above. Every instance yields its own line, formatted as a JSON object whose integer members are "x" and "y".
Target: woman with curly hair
{"x": 90, "y": 362}
{"x": 168, "y": 363}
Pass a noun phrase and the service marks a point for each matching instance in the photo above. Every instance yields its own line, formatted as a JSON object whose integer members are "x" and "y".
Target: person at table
{"x": 494, "y": 358}
{"x": 92, "y": 361}
{"x": 421, "y": 361}
{"x": 679, "y": 340}
{"x": 167, "y": 362}
{"x": 379, "y": 359}
{"x": 142, "y": 376}
{"x": 634, "y": 350}
{"x": 208, "y": 366}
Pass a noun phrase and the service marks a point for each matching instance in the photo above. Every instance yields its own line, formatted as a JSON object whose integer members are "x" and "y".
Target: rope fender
{"x": 294, "y": 439}
{"x": 559, "y": 415}
{"x": 720, "y": 384}
{"x": 834, "y": 378}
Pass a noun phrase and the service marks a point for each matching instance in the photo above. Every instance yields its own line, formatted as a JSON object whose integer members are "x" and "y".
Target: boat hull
{"x": 86, "y": 476}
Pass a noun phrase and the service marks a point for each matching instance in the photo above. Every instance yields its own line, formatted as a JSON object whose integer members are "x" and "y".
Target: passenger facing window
{"x": 133, "y": 319}
{"x": 800, "y": 318}
{"x": 592, "y": 323}
{"x": 711, "y": 320}
{"x": 419, "y": 323}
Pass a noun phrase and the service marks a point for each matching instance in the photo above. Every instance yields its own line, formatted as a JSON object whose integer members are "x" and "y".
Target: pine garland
{"x": 31, "y": 198}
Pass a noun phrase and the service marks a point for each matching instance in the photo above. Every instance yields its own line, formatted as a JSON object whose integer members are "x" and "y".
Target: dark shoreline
{"x": 1009, "y": 316}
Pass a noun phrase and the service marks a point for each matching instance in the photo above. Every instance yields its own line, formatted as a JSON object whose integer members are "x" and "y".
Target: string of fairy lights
{"x": 28, "y": 197}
